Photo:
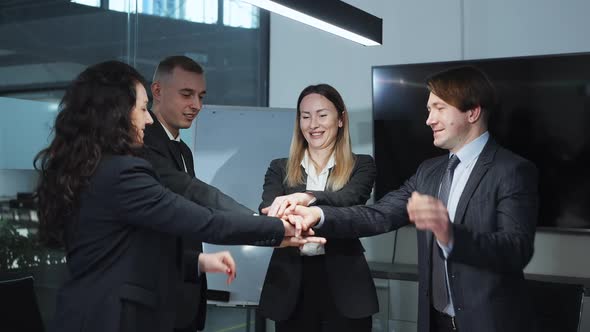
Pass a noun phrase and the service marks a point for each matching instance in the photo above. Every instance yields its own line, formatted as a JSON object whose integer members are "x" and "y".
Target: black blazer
{"x": 161, "y": 153}
{"x": 494, "y": 229}
{"x": 347, "y": 270}
{"x": 122, "y": 254}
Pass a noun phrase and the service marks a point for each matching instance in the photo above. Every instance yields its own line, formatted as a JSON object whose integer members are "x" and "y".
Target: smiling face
{"x": 179, "y": 98}
{"x": 140, "y": 117}
{"x": 319, "y": 122}
{"x": 451, "y": 128}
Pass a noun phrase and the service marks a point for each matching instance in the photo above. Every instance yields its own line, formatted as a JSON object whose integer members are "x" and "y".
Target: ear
{"x": 156, "y": 90}
{"x": 474, "y": 114}
{"x": 340, "y": 123}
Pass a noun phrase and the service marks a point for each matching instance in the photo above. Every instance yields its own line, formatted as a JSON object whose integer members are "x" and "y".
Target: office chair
{"x": 557, "y": 306}
{"x": 19, "y": 311}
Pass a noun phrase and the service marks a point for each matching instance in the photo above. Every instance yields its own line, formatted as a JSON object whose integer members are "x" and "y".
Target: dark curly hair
{"x": 93, "y": 121}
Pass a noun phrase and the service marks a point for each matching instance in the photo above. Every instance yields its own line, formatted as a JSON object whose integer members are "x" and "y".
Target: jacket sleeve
{"x": 357, "y": 190}
{"x": 142, "y": 201}
{"x": 190, "y": 187}
{"x": 388, "y": 214}
{"x": 273, "y": 182}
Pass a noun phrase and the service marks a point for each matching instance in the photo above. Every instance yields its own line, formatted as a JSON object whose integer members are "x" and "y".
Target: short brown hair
{"x": 167, "y": 65}
{"x": 465, "y": 88}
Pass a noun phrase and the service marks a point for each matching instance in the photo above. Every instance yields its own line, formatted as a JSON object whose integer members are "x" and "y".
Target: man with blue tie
{"x": 475, "y": 210}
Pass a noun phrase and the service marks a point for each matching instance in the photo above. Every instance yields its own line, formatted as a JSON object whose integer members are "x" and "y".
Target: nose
{"x": 148, "y": 119}
{"x": 430, "y": 119}
{"x": 314, "y": 123}
{"x": 197, "y": 103}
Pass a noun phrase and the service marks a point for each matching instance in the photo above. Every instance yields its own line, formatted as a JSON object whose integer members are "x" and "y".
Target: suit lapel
{"x": 187, "y": 154}
{"x": 157, "y": 130}
{"x": 479, "y": 170}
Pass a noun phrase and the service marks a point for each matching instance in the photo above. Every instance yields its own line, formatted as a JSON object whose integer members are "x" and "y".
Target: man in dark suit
{"x": 475, "y": 210}
{"x": 178, "y": 89}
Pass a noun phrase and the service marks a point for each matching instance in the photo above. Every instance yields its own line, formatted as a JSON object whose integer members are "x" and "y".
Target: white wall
{"x": 428, "y": 31}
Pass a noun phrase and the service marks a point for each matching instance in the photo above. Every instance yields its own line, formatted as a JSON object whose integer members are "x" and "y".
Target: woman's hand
{"x": 218, "y": 262}
{"x": 281, "y": 203}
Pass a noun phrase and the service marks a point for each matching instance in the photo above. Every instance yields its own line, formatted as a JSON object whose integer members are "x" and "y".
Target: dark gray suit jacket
{"x": 160, "y": 152}
{"x": 493, "y": 229}
{"x": 122, "y": 251}
{"x": 348, "y": 274}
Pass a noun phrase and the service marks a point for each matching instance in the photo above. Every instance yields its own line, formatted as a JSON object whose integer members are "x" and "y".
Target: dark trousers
{"x": 315, "y": 310}
{"x": 441, "y": 322}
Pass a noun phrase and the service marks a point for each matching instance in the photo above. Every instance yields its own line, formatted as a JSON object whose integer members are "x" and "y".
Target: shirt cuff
{"x": 446, "y": 249}
{"x": 322, "y": 218}
{"x": 313, "y": 200}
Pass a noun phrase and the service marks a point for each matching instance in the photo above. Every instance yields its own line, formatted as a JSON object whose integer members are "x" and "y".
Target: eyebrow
{"x": 437, "y": 104}
{"x": 321, "y": 109}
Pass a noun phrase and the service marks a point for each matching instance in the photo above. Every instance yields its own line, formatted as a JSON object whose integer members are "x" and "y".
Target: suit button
{"x": 459, "y": 308}
{"x": 452, "y": 276}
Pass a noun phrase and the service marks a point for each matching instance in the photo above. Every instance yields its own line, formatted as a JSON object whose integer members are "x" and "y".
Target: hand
{"x": 429, "y": 213}
{"x": 299, "y": 242}
{"x": 303, "y": 217}
{"x": 280, "y": 203}
{"x": 219, "y": 262}
{"x": 294, "y": 230}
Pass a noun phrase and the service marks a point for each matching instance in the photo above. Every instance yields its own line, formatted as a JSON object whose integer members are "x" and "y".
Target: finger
{"x": 274, "y": 207}
{"x": 316, "y": 239}
{"x": 265, "y": 210}
{"x": 229, "y": 262}
{"x": 298, "y": 227}
{"x": 282, "y": 207}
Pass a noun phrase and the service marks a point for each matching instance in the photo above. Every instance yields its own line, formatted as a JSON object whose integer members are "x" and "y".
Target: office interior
{"x": 265, "y": 60}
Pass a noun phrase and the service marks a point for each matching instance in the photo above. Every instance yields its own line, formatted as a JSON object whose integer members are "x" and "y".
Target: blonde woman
{"x": 319, "y": 287}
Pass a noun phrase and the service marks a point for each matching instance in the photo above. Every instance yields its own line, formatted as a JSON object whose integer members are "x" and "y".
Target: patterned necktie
{"x": 440, "y": 295}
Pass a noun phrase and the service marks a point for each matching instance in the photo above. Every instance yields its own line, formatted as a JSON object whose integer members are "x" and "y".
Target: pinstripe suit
{"x": 493, "y": 231}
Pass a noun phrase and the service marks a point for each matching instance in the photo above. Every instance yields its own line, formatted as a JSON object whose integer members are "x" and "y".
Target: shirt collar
{"x": 472, "y": 150}
{"x": 306, "y": 162}
{"x": 172, "y": 138}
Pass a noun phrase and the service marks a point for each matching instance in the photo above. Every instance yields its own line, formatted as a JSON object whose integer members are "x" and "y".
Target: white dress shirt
{"x": 468, "y": 156}
{"x": 317, "y": 182}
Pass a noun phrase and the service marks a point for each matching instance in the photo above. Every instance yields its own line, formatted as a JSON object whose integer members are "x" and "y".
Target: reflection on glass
{"x": 240, "y": 14}
{"x": 199, "y": 11}
{"x": 93, "y": 3}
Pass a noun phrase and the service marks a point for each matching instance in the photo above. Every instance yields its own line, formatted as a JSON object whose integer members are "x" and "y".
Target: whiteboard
{"x": 232, "y": 148}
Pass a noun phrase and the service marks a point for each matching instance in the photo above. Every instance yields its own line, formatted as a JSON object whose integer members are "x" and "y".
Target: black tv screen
{"x": 543, "y": 115}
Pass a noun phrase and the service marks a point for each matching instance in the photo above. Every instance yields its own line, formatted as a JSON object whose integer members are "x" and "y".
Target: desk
{"x": 409, "y": 272}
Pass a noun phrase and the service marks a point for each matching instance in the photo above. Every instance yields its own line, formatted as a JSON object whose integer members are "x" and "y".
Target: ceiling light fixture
{"x": 333, "y": 16}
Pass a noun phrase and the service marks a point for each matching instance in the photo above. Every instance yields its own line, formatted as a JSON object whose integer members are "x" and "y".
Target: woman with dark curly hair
{"x": 118, "y": 224}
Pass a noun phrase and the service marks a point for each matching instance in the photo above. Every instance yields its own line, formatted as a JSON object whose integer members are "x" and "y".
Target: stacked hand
{"x": 291, "y": 208}
{"x": 429, "y": 213}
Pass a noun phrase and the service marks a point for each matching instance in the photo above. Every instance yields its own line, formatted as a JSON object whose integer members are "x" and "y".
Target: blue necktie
{"x": 440, "y": 295}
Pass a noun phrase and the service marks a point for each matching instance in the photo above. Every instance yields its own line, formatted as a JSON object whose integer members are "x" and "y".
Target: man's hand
{"x": 300, "y": 241}
{"x": 429, "y": 213}
{"x": 303, "y": 217}
{"x": 219, "y": 262}
{"x": 281, "y": 203}
{"x": 294, "y": 230}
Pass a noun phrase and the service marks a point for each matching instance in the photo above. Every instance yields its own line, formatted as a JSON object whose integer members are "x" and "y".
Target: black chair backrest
{"x": 19, "y": 311}
{"x": 557, "y": 306}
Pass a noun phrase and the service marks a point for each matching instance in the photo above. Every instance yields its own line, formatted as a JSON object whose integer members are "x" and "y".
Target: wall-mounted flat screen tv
{"x": 543, "y": 115}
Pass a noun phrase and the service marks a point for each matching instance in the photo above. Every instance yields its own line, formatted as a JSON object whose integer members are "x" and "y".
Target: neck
{"x": 470, "y": 137}
{"x": 320, "y": 157}
{"x": 174, "y": 131}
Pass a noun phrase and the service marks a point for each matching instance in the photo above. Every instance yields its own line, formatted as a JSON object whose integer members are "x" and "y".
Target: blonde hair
{"x": 344, "y": 159}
